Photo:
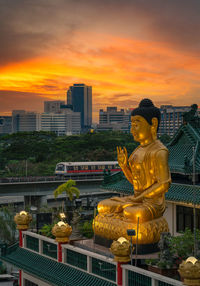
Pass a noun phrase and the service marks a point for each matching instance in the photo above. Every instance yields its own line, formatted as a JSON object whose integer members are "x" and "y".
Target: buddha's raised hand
{"x": 122, "y": 157}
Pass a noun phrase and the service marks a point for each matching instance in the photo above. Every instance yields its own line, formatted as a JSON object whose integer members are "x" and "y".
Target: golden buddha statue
{"x": 147, "y": 170}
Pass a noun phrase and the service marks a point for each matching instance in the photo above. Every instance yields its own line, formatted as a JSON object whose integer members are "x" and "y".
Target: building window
{"x": 184, "y": 218}
{"x": 29, "y": 283}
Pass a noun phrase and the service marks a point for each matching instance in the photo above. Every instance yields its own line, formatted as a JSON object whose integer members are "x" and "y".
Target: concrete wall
{"x": 170, "y": 215}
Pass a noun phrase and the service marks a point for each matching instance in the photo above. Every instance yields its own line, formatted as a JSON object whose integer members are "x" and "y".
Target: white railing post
{"x": 89, "y": 264}
{"x": 154, "y": 282}
{"x": 40, "y": 246}
{"x": 64, "y": 255}
{"x": 124, "y": 277}
{"x": 24, "y": 239}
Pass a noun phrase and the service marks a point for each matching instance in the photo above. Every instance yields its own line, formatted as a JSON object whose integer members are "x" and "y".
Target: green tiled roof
{"x": 180, "y": 149}
{"x": 177, "y": 192}
{"x": 183, "y": 193}
{"x": 49, "y": 270}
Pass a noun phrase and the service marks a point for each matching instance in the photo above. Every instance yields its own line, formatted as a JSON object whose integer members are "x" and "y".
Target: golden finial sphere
{"x": 22, "y": 220}
{"x": 62, "y": 231}
{"x": 190, "y": 271}
{"x": 121, "y": 250}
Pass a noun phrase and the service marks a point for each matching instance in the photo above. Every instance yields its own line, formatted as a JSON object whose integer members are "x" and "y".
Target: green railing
{"x": 32, "y": 243}
{"x": 50, "y": 249}
{"x": 137, "y": 279}
{"x": 104, "y": 269}
{"x": 76, "y": 259}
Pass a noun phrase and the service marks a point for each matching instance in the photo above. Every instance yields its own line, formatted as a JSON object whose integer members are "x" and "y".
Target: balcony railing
{"x": 93, "y": 263}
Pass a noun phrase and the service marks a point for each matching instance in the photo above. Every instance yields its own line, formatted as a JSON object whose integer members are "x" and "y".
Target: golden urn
{"x": 22, "y": 220}
{"x": 62, "y": 231}
{"x": 121, "y": 250}
{"x": 190, "y": 271}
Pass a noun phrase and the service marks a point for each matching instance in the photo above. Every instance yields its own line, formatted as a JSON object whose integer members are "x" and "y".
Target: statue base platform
{"x": 112, "y": 227}
{"x": 141, "y": 248}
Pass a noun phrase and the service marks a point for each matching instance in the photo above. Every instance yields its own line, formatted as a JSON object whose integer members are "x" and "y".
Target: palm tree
{"x": 70, "y": 190}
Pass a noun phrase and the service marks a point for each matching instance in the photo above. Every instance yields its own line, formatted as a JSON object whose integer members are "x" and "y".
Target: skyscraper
{"x": 80, "y": 97}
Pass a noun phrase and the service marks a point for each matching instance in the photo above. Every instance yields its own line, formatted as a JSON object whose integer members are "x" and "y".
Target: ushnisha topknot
{"x": 147, "y": 110}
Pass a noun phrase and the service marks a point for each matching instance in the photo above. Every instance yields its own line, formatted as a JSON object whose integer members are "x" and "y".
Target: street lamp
{"x": 131, "y": 233}
{"x": 194, "y": 203}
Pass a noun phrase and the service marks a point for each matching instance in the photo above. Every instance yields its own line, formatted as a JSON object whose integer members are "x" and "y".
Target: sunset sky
{"x": 125, "y": 49}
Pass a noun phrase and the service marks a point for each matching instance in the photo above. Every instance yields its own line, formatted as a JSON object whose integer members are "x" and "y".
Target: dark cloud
{"x": 121, "y": 95}
{"x": 30, "y": 28}
{"x": 17, "y": 47}
{"x": 10, "y": 100}
{"x": 175, "y": 22}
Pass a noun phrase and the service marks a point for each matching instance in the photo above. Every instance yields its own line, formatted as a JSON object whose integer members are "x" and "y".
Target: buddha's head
{"x": 145, "y": 121}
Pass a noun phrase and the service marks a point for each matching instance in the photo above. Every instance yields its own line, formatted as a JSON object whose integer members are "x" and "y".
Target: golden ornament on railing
{"x": 22, "y": 220}
{"x": 121, "y": 250}
{"x": 190, "y": 271}
{"x": 62, "y": 231}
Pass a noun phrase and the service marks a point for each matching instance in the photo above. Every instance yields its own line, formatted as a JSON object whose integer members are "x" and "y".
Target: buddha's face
{"x": 141, "y": 129}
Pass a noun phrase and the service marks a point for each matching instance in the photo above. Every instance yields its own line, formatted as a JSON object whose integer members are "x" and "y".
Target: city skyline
{"x": 125, "y": 50}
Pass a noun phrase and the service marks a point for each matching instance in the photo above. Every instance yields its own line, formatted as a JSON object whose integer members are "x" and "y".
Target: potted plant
{"x": 173, "y": 249}
{"x": 183, "y": 245}
{"x": 164, "y": 265}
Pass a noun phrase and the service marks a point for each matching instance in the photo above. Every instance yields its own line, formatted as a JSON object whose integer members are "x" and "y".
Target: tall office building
{"x": 80, "y": 97}
{"x": 53, "y": 106}
{"x": 171, "y": 118}
{"x": 113, "y": 119}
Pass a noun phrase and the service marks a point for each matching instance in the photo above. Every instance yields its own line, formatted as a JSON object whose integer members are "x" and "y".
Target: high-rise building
{"x": 80, "y": 97}
{"x": 65, "y": 123}
{"x": 112, "y": 119}
{"x": 5, "y": 124}
{"x": 171, "y": 118}
{"x": 24, "y": 121}
{"x": 53, "y": 106}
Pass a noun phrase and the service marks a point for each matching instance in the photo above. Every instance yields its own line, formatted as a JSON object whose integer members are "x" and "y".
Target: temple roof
{"x": 181, "y": 148}
{"x": 49, "y": 270}
{"x": 177, "y": 192}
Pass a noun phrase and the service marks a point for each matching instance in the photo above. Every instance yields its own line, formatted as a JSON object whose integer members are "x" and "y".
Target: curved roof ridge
{"x": 176, "y": 136}
{"x": 194, "y": 131}
{"x": 184, "y": 129}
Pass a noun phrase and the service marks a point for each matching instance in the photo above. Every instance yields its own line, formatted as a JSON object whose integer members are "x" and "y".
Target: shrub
{"x": 183, "y": 245}
{"x": 46, "y": 230}
{"x": 86, "y": 229}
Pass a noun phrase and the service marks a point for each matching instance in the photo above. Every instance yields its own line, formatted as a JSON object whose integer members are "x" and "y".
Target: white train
{"x": 65, "y": 168}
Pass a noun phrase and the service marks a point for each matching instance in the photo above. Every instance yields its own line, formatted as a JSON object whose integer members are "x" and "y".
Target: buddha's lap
{"x": 132, "y": 213}
{"x": 109, "y": 206}
{"x": 135, "y": 212}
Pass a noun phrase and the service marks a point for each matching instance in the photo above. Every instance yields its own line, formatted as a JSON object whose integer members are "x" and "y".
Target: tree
{"x": 7, "y": 225}
{"x": 70, "y": 191}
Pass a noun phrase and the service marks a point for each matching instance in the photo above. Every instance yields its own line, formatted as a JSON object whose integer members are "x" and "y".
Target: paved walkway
{"x": 89, "y": 244}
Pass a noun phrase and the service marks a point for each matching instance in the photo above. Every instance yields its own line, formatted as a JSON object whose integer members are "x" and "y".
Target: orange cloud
{"x": 114, "y": 66}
